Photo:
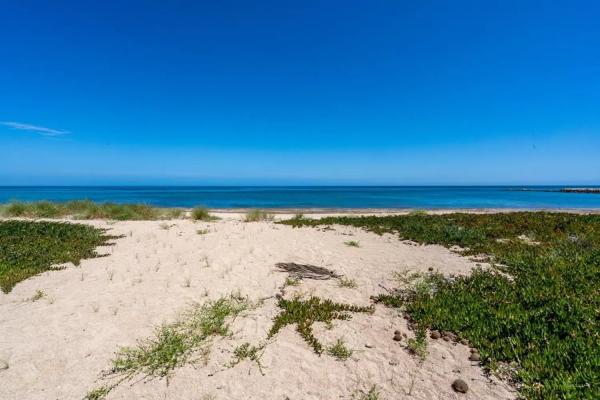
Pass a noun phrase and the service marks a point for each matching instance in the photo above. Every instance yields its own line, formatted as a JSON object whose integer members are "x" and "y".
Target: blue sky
{"x": 299, "y": 92}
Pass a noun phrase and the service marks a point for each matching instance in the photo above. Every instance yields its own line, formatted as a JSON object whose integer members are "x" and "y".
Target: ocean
{"x": 332, "y": 197}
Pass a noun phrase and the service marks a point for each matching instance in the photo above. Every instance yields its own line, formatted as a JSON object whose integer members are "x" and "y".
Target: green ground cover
{"x": 538, "y": 309}
{"x": 28, "y": 248}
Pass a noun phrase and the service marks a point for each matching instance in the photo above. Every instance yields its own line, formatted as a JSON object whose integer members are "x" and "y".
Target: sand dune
{"x": 58, "y": 346}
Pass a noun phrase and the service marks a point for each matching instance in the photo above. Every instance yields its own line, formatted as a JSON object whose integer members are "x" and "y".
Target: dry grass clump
{"x": 86, "y": 209}
{"x": 352, "y": 243}
{"x": 258, "y": 215}
{"x": 202, "y": 214}
{"x": 289, "y": 281}
{"x": 39, "y": 294}
{"x": 347, "y": 283}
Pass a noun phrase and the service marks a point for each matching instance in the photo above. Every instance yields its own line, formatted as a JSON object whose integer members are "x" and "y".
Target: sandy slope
{"x": 58, "y": 346}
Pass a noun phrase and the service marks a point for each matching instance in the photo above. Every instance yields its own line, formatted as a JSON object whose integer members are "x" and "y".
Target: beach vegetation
{"x": 371, "y": 394}
{"x": 352, "y": 243}
{"x": 164, "y": 226}
{"x": 28, "y": 248}
{"x": 347, "y": 283}
{"x": 535, "y": 307}
{"x": 98, "y": 393}
{"x": 290, "y": 281}
{"x": 418, "y": 344}
{"x": 339, "y": 351}
{"x": 185, "y": 341}
{"x": 174, "y": 344}
{"x": 418, "y": 212}
{"x": 304, "y": 313}
{"x": 202, "y": 214}
{"x": 258, "y": 215}
{"x": 246, "y": 351}
{"x": 86, "y": 209}
{"x": 38, "y": 295}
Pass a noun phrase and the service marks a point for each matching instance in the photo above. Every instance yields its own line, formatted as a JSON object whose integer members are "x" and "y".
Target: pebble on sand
{"x": 435, "y": 334}
{"x": 474, "y": 357}
{"x": 449, "y": 335}
{"x": 460, "y": 386}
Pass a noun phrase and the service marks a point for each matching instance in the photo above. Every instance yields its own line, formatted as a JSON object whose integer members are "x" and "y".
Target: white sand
{"x": 58, "y": 346}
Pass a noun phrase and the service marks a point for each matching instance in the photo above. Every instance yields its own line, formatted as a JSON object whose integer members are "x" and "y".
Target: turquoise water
{"x": 315, "y": 196}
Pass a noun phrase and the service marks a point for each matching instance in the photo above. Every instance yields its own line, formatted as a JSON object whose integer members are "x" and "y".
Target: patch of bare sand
{"x": 57, "y": 347}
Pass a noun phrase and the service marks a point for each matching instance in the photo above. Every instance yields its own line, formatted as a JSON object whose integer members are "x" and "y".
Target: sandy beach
{"x": 59, "y": 346}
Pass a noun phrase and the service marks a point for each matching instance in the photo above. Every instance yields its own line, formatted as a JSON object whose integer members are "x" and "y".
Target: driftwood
{"x": 306, "y": 271}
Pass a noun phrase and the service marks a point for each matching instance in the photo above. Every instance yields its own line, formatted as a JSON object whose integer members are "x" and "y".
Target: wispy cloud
{"x": 40, "y": 130}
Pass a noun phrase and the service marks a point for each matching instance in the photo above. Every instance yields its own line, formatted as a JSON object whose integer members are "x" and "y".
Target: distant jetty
{"x": 581, "y": 190}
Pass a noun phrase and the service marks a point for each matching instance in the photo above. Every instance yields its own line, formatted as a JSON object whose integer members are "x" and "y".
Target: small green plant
{"x": 347, "y": 283}
{"x": 412, "y": 285}
{"x": 176, "y": 344}
{"x": 304, "y": 313}
{"x": 202, "y": 231}
{"x": 371, "y": 394}
{"x": 39, "y": 294}
{"x": 258, "y": 215}
{"x": 248, "y": 352}
{"x": 299, "y": 217}
{"x": 339, "y": 351}
{"x": 202, "y": 214}
{"x": 99, "y": 393}
{"x": 418, "y": 344}
{"x": 289, "y": 281}
{"x": 352, "y": 243}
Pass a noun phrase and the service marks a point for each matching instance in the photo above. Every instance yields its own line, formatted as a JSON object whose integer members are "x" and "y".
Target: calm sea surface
{"x": 315, "y": 196}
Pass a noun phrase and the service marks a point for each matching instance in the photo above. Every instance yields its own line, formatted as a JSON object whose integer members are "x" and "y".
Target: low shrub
{"x": 536, "y": 309}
